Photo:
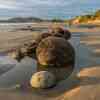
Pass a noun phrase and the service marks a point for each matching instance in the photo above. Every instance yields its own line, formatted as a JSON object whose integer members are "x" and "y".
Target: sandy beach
{"x": 15, "y": 35}
{"x": 83, "y": 84}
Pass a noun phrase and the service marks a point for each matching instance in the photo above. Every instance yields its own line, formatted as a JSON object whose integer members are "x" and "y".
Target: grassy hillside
{"x": 86, "y": 18}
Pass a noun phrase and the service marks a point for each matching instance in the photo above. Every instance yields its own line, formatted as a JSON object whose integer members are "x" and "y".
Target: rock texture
{"x": 29, "y": 49}
{"x": 60, "y": 32}
{"x": 56, "y": 54}
{"x": 56, "y": 32}
{"x": 42, "y": 80}
{"x": 55, "y": 51}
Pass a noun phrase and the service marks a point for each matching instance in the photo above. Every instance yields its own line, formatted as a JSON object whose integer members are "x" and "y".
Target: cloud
{"x": 10, "y": 4}
{"x": 7, "y": 4}
{"x": 6, "y": 7}
{"x": 46, "y": 8}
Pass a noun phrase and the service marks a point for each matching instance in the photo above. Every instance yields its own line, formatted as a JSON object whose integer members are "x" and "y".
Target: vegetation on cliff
{"x": 86, "y": 18}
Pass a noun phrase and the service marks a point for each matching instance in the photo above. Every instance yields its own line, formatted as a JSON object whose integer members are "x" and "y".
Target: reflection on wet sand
{"x": 92, "y": 42}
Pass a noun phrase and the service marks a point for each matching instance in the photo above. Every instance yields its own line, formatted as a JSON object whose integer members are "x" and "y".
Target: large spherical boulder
{"x": 55, "y": 51}
{"x": 55, "y": 54}
{"x": 43, "y": 80}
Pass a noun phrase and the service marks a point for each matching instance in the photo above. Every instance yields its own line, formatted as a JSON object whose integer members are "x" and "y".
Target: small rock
{"x": 43, "y": 80}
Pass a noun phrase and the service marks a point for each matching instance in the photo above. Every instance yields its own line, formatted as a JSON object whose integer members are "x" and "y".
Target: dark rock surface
{"x": 60, "y": 32}
{"x": 56, "y": 54}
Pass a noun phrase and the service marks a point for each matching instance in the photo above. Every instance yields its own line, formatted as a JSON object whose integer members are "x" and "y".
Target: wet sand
{"x": 83, "y": 80}
{"x": 89, "y": 74}
{"x": 15, "y": 35}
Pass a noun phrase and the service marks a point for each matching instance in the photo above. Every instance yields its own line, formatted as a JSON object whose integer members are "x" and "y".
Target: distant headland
{"x": 29, "y": 19}
{"x": 89, "y": 18}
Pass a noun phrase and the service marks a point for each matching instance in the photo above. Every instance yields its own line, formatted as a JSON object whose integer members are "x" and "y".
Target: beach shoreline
{"x": 86, "y": 42}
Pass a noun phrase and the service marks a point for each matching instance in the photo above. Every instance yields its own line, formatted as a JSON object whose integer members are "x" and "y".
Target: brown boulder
{"x": 29, "y": 49}
{"x": 55, "y": 54}
{"x": 26, "y": 50}
{"x": 60, "y": 32}
{"x": 42, "y": 36}
{"x": 57, "y": 32}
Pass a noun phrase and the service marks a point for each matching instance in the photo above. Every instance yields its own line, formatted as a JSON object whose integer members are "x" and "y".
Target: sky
{"x": 47, "y": 8}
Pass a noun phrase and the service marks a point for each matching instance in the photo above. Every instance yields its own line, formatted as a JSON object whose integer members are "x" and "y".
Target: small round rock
{"x": 43, "y": 80}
